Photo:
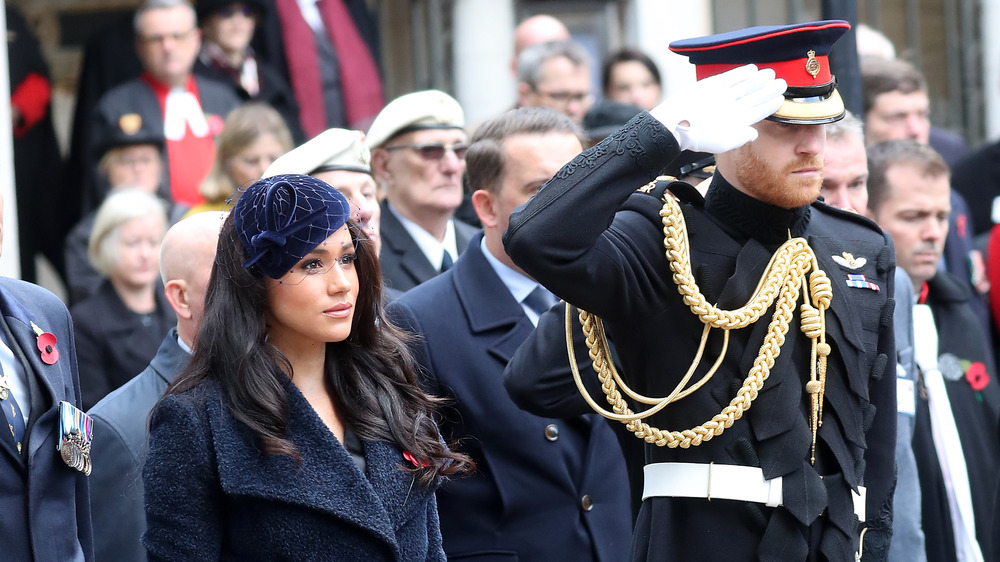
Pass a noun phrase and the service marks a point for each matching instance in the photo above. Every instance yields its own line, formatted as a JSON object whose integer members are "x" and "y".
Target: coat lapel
{"x": 488, "y": 304}
{"x": 47, "y": 381}
{"x": 326, "y": 479}
{"x": 7, "y": 442}
{"x": 398, "y": 241}
{"x": 170, "y": 358}
{"x": 398, "y": 490}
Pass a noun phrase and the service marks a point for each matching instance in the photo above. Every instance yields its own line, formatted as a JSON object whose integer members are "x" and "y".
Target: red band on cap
{"x": 792, "y": 71}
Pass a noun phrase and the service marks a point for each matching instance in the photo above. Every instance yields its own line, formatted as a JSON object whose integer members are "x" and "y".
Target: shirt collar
{"x": 428, "y": 244}
{"x": 516, "y": 282}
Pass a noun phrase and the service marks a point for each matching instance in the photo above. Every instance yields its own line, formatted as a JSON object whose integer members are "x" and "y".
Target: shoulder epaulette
{"x": 684, "y": 192}
{"x": 850, "y": 215}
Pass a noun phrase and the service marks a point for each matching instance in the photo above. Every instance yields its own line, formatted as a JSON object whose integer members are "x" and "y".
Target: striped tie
{"x": 15, "y": 419}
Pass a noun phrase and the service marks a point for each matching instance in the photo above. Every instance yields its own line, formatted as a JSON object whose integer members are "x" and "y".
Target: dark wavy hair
{"x": 371, "y": 374}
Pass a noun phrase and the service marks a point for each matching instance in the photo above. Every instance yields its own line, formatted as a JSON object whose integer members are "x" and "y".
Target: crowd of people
{"x": 304, "y": 323}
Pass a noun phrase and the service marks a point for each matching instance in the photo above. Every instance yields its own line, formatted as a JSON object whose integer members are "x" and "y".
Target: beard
{"x": 781, "y": 188}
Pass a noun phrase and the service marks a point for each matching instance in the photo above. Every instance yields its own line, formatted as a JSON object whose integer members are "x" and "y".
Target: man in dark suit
{"x": 187, "y": 110}
{"x": 44, "y": 499}
{"x": 120, "y": 418}
{"x": 795, "y": 391}
{"x": 418, "y": 157}
{"x": 547, "y": 489}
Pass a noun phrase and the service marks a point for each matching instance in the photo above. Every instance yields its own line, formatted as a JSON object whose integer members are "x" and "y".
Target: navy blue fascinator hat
{"x": 281, "y": 219}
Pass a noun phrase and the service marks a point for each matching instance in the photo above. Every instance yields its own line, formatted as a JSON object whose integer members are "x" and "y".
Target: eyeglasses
{"x": 434, "y": 150}
{"x": 237, "y": 8}
{"x": 566, "y": 97}
{"x": 162, "y": 38}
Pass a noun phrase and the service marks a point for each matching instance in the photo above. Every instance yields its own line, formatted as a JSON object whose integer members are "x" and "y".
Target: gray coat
{"x": 119, "y": 447}
{"x": 907, "y": 535}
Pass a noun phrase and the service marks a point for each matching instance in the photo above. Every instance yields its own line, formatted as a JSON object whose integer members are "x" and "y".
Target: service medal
{"x": 76, "y": 430}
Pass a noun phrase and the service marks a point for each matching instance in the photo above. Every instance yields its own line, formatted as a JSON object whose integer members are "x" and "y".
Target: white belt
{"x": 722, "y": 482}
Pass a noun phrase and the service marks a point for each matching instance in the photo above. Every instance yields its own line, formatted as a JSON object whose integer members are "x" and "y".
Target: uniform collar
{"x": 745, "y": 217}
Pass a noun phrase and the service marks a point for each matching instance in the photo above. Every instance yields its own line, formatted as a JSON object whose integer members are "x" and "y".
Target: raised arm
{"x": 565, "y": 237}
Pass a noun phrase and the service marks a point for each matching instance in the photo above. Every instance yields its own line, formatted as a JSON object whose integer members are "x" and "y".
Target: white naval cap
{"x": 333, "y": 149}
{"x": 427, "y": 109}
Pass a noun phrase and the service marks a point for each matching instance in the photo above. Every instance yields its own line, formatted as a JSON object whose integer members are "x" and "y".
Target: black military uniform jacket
{"x": 597, "y": 243}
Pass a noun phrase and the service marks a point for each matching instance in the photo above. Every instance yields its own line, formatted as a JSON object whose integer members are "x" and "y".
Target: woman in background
{"x": 226, "y": 55}
{"x": 253, "y": 137}
{"x": 631, "y": 77}
{"x": 297, "y": 431}
{"x": 120, "y": 327}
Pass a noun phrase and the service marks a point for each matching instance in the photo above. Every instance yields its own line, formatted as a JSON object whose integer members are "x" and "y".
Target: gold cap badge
{"x": 812, "y": 65}
{"x": 130, "y": 123}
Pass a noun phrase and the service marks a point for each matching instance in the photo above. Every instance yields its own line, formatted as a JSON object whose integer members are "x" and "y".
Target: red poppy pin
{"x": 977, "y": 376}
{"x": 409, "y": 456}
{"x": 46, "y": 343}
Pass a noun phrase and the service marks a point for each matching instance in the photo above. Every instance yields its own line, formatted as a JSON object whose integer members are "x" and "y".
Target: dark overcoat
{"x": 46, "y": 205}
{"x": 114, "y": 344}
{"x": 44, "y": 504}
{"x": 404, "y": 265}
{"x": 274, "y": 91}
{"x": 966, "y": 364}
{"x": 120, "y": 422}
{"x": 977, "y": 177}
{"x": 546, "y": 489}
{"x": 212, "y": 495}
{"x": 590, "y": 237}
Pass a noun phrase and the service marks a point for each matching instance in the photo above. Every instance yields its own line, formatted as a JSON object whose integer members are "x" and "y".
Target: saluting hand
{"x": 717, "y": 114}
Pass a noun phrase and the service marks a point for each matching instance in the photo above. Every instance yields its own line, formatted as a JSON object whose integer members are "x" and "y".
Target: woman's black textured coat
{"x": 211, "y": 494}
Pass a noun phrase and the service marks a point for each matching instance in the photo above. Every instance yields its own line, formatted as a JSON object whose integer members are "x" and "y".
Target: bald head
{"x": 186, "y": 258}
{"x": 534, "y": 30}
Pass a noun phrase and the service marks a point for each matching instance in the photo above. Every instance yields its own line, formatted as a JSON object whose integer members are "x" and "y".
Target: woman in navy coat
{"x": 297, "y": 431}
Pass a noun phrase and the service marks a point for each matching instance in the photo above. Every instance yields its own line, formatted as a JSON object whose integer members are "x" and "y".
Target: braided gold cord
{"x": 785, "y": 276}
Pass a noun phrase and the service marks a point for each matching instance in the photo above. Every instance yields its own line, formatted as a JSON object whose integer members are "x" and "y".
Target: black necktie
{"x": 446, "y": 262}
{"x": 15, "y": 419}
{"x": 539, "y": 300}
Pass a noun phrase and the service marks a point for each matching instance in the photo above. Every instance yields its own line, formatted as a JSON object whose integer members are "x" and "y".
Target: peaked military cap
{"x": 797, "y": 53}
{"x": 427, "y": 109}
{"x": 333, "y": 149}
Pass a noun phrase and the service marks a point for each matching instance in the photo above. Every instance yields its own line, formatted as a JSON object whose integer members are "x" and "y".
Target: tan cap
{"x": 333, "y": 149}
{"x": 428, "y": 109}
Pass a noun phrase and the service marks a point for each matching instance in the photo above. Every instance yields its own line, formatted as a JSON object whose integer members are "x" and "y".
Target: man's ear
{"x": 523, "y": 92}
{"x": 176, "y": 292}
{"x": 482, "y": 202}
{"x": 380, "y": 164}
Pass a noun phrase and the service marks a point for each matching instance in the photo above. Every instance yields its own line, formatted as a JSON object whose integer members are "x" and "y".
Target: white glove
{"x": 717, "y": 113}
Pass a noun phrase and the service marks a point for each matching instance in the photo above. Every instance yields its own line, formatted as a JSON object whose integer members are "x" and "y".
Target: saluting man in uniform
{"x": 775, "y": 308}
